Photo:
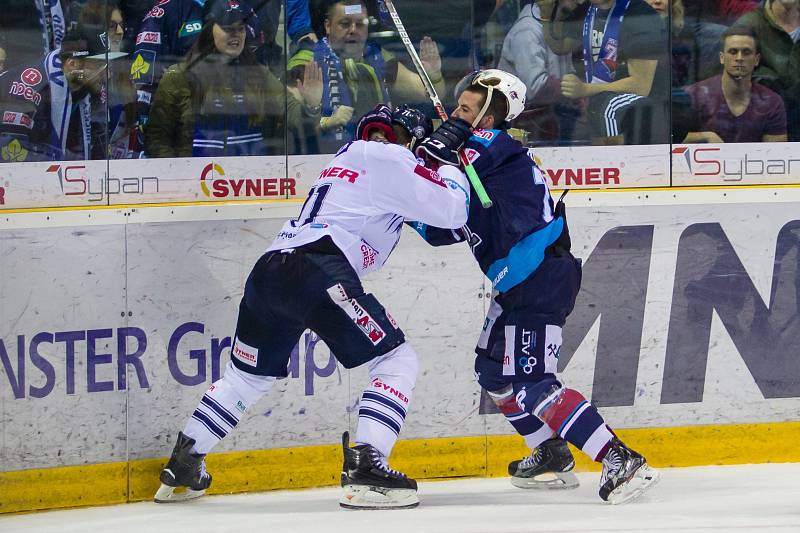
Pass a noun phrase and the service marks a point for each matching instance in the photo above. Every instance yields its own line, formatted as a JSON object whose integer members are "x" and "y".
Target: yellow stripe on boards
{"x": 69, "y": 486}
{"x": 316, "y": 466}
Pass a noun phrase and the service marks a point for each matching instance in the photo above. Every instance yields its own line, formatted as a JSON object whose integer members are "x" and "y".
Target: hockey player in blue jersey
{"x": 310, "y": 278}
{"x": 522, "y": 245}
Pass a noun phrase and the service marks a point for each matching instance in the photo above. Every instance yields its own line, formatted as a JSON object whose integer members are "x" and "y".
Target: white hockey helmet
{"x": 510, "y": 86}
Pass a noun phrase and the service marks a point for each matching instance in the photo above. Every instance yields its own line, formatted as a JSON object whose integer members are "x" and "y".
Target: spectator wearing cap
{"x": 357, "y": 74}
{"x": 165, "y": 36}
{"x": 219, "y": 101}
{"x": 55, "y": 110}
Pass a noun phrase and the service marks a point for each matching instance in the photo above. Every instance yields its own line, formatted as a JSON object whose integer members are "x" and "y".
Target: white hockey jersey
{"x": 363, "y": 196}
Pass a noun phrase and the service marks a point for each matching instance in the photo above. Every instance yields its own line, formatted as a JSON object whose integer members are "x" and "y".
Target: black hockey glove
{"x": 444, "y": 143}
{"x": 379, "y": 118}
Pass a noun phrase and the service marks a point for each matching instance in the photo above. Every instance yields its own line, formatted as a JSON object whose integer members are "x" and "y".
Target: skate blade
{"x": 547, "y": 481}
{"x": 642, "y": 480}
{"x": 367, "y": 497}
{"x": 167, "y": 494}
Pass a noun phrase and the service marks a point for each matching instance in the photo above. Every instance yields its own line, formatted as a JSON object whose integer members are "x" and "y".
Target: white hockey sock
{"x": 539, "y": 436}
{"x": 385, "y": 401}
{"x": 222, "y": 406}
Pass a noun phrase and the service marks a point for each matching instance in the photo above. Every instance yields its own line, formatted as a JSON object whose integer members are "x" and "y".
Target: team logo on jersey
{"x": 31, "y": 76}
{"x": 142, "y": 70}
{"x": 14, "y": 152}
{"x": 190, "y": 28}
{"x": 148, "y": 37}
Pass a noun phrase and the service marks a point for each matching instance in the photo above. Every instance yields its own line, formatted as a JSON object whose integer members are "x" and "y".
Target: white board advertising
{"x": 111, "y": 330}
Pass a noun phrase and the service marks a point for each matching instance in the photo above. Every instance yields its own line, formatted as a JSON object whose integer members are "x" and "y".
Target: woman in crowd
{"x": 103, "y": 25}
{"x": 219, "y": 101}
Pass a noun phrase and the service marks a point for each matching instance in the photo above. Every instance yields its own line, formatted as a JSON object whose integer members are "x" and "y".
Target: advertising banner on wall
{"x": 190, "y": 180}
{"x": 736, "y": 164}
{"x": 110, "y": 333}
{"x": 604, "y": 167}
{"x": 148, "y": 181}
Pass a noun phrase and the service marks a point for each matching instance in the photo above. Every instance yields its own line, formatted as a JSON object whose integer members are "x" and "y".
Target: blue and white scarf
{"x": 61, "y": 106}
{"x": 604, "y": 69}
{"x": 53, "y": 23}
{"x": 334, "y": 88}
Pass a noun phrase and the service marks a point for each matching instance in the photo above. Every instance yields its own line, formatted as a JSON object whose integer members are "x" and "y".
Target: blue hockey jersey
{"x": 510, "y": 238}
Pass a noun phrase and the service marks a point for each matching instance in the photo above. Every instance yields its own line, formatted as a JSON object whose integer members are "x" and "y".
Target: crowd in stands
{"x": 97, "y": 79}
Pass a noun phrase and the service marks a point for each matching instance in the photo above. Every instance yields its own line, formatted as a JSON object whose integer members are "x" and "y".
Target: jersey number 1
{"x": 315, "y": 197}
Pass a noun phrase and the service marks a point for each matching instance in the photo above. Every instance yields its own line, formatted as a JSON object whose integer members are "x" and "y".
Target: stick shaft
{"x": 437, "y": 103}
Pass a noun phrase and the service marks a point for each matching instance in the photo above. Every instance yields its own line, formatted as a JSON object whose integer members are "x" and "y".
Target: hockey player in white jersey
{"x": 309, "y": 279}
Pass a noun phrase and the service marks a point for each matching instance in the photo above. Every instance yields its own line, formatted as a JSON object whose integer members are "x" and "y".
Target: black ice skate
{"x": 547, "y": 467}
{"x": 626, "y": 474}
{"x": 184, "y": 470}
{"x": 369, "y": 484}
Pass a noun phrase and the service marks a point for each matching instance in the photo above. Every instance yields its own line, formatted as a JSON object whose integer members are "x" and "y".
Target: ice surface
{"x": 761, "y": 498}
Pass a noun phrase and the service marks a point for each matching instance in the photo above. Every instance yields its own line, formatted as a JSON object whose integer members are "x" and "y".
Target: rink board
{"x": 33, "y": 185}
{"x": 115, "y": 321}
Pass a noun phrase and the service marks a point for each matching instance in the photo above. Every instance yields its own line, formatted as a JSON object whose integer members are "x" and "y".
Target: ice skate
{"x": 626, "y": 474}
{"x": 183, "y": 471}
{"x": 547, "y": 467}
{"x": 368, "y": 483}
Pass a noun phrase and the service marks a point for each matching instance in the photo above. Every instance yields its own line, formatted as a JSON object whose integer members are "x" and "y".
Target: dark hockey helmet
{"x": 414, "y": 121}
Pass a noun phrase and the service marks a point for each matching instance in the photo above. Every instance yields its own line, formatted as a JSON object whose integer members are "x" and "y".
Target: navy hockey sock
{"x": 533, "y": 430}
{"x": 575, "y": 420}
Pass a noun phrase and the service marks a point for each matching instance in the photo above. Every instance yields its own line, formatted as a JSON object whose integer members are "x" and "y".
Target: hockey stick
{"x": 437, "y": 104}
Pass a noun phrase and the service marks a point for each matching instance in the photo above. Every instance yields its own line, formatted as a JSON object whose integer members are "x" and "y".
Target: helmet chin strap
{"x": 485, "y": 107}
